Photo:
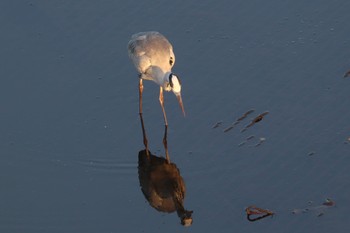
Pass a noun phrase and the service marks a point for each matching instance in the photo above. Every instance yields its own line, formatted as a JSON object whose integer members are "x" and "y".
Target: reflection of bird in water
{"x": 153, "y": 57}
{"x": 161, "y": 182}
{"x": 163, "y": 186}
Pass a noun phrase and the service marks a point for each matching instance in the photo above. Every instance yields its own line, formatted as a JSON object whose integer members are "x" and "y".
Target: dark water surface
{"x": 70, "y": 130}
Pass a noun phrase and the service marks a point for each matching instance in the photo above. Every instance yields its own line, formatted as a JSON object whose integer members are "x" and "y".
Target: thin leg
{"x": 140, "y": 95}
{"x": 145, "y": 142}
{"x": 165, "y": 143}
{"x": 161, "y": 100}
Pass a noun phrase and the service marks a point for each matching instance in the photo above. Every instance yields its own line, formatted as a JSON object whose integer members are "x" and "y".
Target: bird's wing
{"x": 159, "y": 49}
{"x": 137, "y": 54}
{"x": 151, "y": 49}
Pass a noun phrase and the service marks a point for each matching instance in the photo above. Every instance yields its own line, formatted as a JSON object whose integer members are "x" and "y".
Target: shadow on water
{"x": 161, "y": 182}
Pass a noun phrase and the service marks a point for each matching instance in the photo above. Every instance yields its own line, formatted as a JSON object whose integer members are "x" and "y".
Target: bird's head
{"x": 186, "y": 218}
{"x": 174, "y": 85}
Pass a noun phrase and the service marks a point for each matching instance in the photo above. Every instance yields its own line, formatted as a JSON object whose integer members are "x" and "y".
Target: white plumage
{"x": 153, "y": 57}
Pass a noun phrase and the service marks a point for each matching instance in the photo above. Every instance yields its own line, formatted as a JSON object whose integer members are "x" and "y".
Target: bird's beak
{"x": 178, "y": 96}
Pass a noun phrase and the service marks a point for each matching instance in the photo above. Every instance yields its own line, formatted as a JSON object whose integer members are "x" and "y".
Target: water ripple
{"x": 109, "y": 165}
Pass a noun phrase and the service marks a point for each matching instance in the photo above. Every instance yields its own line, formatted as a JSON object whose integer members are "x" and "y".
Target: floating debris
{"x": 320, "y": 209}
{"x": 228, "y": 128}
{"x": 217, "y": 124}
{"x": 259, "y": 212}
{"x": 298, "y": 211}
{"x": 260, "y": 117}
{"x": 238, "y": 120}
{"x": 347, "y": 74}
{"x": 242, "y": 143}
{"x": 255, "y": 120}
{"x": 245, "y": 115}
{"x": 311, "y": 153}
{"x": 261, "y": 141}
{"x": 231, "y": 127}
{"x": 328, "y": 202}
{"x": 246, "y": 140}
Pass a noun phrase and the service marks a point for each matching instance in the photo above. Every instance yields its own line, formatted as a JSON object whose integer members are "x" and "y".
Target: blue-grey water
{"x": 70, "y": 131}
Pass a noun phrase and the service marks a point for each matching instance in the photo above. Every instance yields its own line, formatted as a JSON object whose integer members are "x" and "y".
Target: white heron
{"x": 153, "y": 57}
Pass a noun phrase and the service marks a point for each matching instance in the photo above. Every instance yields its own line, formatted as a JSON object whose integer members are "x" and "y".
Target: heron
{"x": 153, "y": 57}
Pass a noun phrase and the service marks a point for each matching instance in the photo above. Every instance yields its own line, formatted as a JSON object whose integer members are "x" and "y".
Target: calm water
{"x": 70, "y": 132}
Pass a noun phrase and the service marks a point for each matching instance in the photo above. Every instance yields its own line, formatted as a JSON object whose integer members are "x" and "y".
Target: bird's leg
{"x": 140, "y": 95}
{"x": 145, "y": 142}
{"x": 161, "y": 100}
{"x": 165, "y": 143}
{"x": 141, "y": 118}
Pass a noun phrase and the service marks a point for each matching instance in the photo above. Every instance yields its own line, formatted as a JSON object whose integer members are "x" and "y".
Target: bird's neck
{"x": 163, "y": 80}
{"x": 166, "y": 84}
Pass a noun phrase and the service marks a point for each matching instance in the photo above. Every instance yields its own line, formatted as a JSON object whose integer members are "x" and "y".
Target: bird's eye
{"x": 171, "y": 61}
{"x": 170, "y": 80}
